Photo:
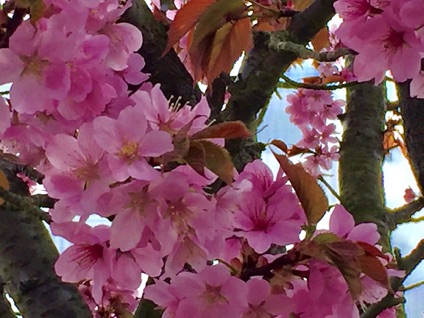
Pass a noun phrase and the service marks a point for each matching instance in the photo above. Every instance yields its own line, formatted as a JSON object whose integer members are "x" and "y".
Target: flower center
{"x": 128, "y": 151}
{"x": 213, "y": 295}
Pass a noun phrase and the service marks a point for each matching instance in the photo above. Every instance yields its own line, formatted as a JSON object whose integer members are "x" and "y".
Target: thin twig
{"x": 330, "y": 188}
{"x": 404, "y": 213}
{"x": 295, "y": 84}
{"x": 412, "y": 286}
{"x": 302, "y": 52}
{"x": 387, "y": 302}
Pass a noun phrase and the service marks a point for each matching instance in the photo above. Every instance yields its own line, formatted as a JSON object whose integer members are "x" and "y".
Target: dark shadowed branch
{"x": 167, "y": 70}
{"x": 27, "y": 261}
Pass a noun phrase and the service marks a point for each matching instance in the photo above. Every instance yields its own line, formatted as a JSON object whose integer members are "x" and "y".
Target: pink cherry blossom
{"x": 135, "y": 213}
{"x": 343, "y": 224}
{"x": 391, "y": 46}
{"x": 353, "y": 9}
{"x": 88, "y": 259}
{"x": 263, "y": 304}
{"x": 263, "y": 224}
{"x": 409, "y": 195}
{"x": 170, "y": 116}
{"x": 211, "y": 293}
{"x": 5, "y": 116}
{"x": 127, "y": 267}
{"x": 129, "y": 143}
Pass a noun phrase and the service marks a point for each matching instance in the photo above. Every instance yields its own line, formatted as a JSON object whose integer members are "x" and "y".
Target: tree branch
{"x": 23, "y": 203}
{"x": 302, "y": 52}
{"x": 27, "y": 260}
{"x": 412, "y": 110}
{"x": 404, "y": 213}
{"x": 375, "y": 309}
{"x": 295, "y": 84}
{"x": 410, "y": 261}
{"x": 361, "y": 158}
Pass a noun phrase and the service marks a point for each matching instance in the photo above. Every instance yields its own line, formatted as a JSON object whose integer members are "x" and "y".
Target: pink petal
{"x": 11, "y": 66}
{"x": 257, "y": 291}
{"x": 126, "y": 230}
{"x": 365, "y": 232}
{"x": 155, "y": 143}
{"x": 341, "y": 221}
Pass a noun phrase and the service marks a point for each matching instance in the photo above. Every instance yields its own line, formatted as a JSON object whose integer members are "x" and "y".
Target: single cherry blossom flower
{"x": 129, "y": 143}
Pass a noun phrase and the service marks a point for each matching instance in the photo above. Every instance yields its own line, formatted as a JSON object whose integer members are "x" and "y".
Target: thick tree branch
{"x": 361, "y": 158}
{"x": 167, "y": 70}
{"x": 27, "y": 260}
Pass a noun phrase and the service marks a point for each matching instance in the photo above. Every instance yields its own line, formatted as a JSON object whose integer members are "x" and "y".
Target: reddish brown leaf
{"x": 313, "y": 249}
{"x": 4, "y": 184}
{"x": 351, "y": 274}
{"x": 333, "y": 79}
{"x": 372, "y": 250}
{"x": 345, "y": 256}
{"x": 373, "y": 268}
{"x": 215, "y": 16}
{"x": 181, "y": 144}
{"x": 295, "y": 150}
{"x": 280, "y": 145}
{"x": 228, "y": 44}
{"x": 218, "y": 160}
{"x": 211, "y": 29}
{"x": 230, "y": 129}
{"x": 316, "y": 80}
{"x": 321, "y": 40}
{"x": 196, "y": 157}
{"x": 310, "y": 194}
{"x": 185, "y": 20}
{"x": 301, "y": 5}
{"x": 345, "y": 249}
{"x": 340, "y": 253}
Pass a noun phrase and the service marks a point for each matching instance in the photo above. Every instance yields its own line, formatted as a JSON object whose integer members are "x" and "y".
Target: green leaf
{"x": 325, "y": 238}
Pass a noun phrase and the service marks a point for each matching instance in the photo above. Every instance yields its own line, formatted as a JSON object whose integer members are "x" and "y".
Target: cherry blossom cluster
{"x": 313, "y": 112}
{"x": 66, "y": 71}
{"x": 303, "y": 287}
{"x": 396, "y": 42}
{"x": 107, "y": 152}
